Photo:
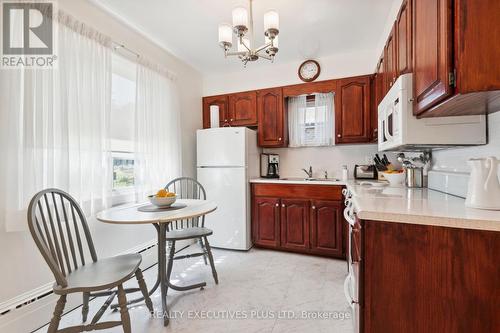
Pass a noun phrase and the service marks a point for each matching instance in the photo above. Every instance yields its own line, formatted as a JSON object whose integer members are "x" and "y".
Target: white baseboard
{"x": 27, "y": 313}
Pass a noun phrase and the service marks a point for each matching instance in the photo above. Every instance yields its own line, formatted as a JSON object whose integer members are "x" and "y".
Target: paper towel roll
{"x": 214, "y": 116}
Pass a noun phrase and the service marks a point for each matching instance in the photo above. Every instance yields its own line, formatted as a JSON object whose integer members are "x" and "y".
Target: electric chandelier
{"x": 242, "y": 28}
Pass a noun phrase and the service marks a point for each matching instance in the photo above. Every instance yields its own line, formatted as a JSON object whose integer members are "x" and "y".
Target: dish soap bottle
{"x": 345, "y": 173}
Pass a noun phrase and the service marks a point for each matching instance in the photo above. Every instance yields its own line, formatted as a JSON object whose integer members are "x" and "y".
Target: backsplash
{"x": 331, "y": 159}
{"x": 455, "y": 160}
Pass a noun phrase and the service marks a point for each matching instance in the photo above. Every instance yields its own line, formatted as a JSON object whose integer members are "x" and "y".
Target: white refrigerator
{"x": 227, "y": 158}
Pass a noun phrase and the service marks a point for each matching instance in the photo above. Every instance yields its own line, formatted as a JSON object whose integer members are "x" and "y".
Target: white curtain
{"x": 157, "y": 132}
{"x": 311, "y": 123}
{"x": 55, "y": 125}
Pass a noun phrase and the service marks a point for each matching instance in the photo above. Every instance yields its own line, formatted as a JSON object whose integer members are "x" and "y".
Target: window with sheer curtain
{"x": 85, "y": 128}
{"x": 311, "y": 120}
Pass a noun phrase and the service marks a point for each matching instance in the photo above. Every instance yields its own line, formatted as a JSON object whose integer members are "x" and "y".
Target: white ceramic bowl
{"x": 395, "y": 179}
{"x": 162, "y": 201}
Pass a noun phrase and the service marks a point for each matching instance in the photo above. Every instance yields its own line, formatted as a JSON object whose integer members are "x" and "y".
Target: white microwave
{"x": 400, "y": 130}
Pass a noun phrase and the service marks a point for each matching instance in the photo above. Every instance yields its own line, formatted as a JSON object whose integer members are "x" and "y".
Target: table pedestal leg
{"x": 162, "y": 281}
{"x": 163, "y": 273}
{"x": 157, "y": 283}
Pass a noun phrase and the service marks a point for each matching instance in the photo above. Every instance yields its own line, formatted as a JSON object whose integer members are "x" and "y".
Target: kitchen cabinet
{"x": 456, "y": 67}
{"x": 242, "y": 110}
{"x": 266, "y": 109}
{"x": 272, "y": 131}
{"x": 404, "y": 38}
{"x": 353, "y": 110}
{"x": 221, "y": 101}
{"x": 300, "y": 218}
{"x": 377, "y": 94}
{"x": 295, "y": 223}
{"x": 433, "y": 58}
{"x": 267, "y": 212}
{"x": 390, "y": 59}
{"x": 423, "y": 278}
{"x": 326, "y": 227}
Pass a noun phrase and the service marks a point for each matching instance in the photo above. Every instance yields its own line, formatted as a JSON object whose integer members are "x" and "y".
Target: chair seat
{"x": 100, "y": 275}
{"x": 188, "y": 233}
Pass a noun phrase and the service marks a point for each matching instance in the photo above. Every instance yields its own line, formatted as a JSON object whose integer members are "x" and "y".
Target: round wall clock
{"x": 309, "y": 70}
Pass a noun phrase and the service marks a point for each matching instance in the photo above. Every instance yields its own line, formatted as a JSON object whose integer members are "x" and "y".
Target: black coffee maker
{"x": 269, "y": 166}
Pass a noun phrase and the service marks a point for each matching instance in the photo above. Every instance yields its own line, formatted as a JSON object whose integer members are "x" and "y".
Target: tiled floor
{"x": 260, "y": 287}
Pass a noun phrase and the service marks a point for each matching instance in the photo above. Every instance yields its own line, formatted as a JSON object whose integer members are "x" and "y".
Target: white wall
{"x": 456, "y": 159}
{"x": 22, "y": 266}
{"x": 267, "y": 75}
{"x": 330, "y": 159}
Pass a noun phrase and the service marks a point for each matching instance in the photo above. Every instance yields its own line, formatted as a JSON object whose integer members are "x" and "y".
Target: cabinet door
{"x": 432, "y": 52}
{"x": 404, "y": 38}
{"x": 378, "y": 92}
{"x": 352, "y": 110}
{"x": 266, "y": 221}
{"x": 242, "y": 109}
{"x": 272, "y": 127}
{"x": 295, "y": 224}
{"x": 326, "y": 228}
{"x": 390, "y": 57}
{"x": 221, "y": 102}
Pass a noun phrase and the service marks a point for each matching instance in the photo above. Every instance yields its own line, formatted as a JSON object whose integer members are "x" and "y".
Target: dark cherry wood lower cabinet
{"x": 295, "y": 224}
{"x": 326, "y": 227}
{"x": 299, "y": 218}
{"x": 419, "y": 278}
{"x": 267, "y": 212}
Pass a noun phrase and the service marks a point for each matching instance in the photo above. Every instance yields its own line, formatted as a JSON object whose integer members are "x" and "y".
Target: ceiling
{"x": 308, "y": 28}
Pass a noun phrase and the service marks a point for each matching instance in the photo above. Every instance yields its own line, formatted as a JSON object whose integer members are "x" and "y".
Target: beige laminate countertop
{"x": 419, "y": 206}
{"x": 298, "y": 181}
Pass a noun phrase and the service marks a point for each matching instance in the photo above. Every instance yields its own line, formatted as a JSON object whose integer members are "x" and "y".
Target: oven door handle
{"x": 347, "y": 293}
{"x": 349, "y": 218}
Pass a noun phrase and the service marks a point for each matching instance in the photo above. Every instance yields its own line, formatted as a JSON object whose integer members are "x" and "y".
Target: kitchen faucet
{"x": 309, "y": 173}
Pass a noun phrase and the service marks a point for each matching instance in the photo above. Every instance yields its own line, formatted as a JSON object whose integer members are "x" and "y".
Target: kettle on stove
{"x": 484, "y": 186}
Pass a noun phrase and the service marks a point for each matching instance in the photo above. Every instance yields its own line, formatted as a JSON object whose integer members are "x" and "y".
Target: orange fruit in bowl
{"x": 162, "y": 193}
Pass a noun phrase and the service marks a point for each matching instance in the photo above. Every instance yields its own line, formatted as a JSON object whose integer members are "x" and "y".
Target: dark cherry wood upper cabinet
{"x": 373, "y": 108}
{"x": 242, "y": 110}
{"x": 459, "y": 76}
{"x": 404, "y": 38}
{"x": 272, "y": 119}
{"x": 377, "y": 94}
{"x": 295, "y": 224}
{"x": 432, "y": 52}
{"x": 390, "y": 59}
{"x": 221, "y": 102}
{"x": 352, "y": 110}
{"x": 477, "y": 51}
{"x": 266, "y": 221}
{"x": 326, "y": 227}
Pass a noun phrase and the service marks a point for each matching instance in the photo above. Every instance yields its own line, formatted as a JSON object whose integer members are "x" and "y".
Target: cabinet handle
{"x": 225, "y": 120}
{"x": 277, "y": 205}
{"x": 279, "y": 139}
{"x": 283, "y": 205}
{"x": 339, "y": 135}
{"x": 231, "y": 119}
{"x": 313, "y": 207}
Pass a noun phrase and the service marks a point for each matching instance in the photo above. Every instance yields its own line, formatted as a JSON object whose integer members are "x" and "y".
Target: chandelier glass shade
{"x": 242, "y": 29}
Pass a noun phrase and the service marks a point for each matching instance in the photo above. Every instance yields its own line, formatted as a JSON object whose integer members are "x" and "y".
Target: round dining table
{"x": 145, "y": 213}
